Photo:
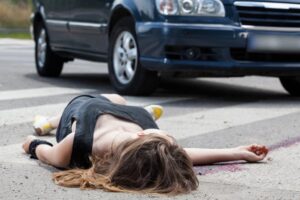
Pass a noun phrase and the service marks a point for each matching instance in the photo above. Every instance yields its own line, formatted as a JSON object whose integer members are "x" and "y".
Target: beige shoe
{"x": 156, "y": 111}
{"x": 41, "y": 125}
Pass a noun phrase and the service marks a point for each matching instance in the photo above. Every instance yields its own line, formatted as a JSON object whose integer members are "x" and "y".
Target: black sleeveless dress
{"x": 86, "y": 109}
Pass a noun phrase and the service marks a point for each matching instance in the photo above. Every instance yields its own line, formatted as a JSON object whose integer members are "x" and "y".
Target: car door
{"x": 57, "y": 15}
{"x": 88, "y": 23}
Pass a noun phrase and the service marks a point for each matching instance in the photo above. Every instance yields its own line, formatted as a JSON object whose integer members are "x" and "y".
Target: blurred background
{"x": 12, "y": 26}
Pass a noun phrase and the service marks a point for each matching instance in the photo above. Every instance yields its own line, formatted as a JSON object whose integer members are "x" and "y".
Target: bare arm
{"x": 251, "y": 153}
{"x": 210, "y": 156}
{"x": 59, "y": 155}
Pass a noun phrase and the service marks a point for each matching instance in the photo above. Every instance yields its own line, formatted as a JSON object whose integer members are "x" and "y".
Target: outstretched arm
{"x": 59, "y": 155}
{"x": 251, "y": 153}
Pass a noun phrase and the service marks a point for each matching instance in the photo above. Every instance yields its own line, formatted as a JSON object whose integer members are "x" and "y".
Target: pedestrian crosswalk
{"x": 37, "y": 92}
{"x": 202, "y": 122}
{"x": 194, "y": 119}
{"x": 180, "y": 125}
{"x": 232, "y": 116}
{"x": 26, "y": 114}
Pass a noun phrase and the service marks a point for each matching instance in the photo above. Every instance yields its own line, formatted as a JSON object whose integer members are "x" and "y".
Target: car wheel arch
{"x": 118, "y": 12}
{"x": 38, "y": 19}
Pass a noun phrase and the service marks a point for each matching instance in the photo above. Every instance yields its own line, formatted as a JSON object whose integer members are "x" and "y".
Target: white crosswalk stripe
{"x": 26, "y": 115}
{"x": 210, "y": 120}
{"x": 38, "y": 92}
{"x": 228, "y": 117}
{"x": 16, "y": 42}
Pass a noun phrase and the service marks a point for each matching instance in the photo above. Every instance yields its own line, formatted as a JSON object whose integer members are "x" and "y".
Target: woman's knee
{"x": 115, "y": 98}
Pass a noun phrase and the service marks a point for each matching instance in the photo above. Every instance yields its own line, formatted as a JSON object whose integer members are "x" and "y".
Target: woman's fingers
{"x": 260, "y": 156}
{"x": 259, "y": 149}
{"x": 255, "y": 152}
{"x": 253, "y": 157}
{"x": 24, "y": 148}
{"x": 27, "y": 142}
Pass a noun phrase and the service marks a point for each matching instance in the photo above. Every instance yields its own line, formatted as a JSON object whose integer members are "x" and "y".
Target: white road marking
{"x": 14, "y": 153}
{"x": 224, "y": 118}
{"x": 26, "y": 115}
{"x": 38, "y": 92}
{"x": 14, "y": 42}
{"x": 200, "y": 122}
{"x": 204, "y": 122}
{"x": 142, "y": 101}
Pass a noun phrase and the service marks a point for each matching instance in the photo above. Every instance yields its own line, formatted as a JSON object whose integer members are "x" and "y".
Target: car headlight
{"x": 191, "y": 7}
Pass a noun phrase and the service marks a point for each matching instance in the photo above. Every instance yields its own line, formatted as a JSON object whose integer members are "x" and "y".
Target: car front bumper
{"x": 220, "y": 49}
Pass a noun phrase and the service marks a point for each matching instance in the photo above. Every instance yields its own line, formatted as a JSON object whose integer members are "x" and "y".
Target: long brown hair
{"x": 150, "y": 164}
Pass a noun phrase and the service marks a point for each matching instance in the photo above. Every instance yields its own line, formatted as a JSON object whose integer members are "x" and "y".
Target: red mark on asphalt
{"x": 236, "y": 167}
{"x": 206, "y": 170}
{"x": 285, "y": 144}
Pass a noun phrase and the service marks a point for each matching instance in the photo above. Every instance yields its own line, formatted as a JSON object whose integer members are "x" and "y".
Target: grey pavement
{"x": 207, "y": 113}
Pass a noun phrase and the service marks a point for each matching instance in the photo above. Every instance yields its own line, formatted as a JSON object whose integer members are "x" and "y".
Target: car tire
{"x": 47, "y": 63}
{"x": 291, "y": 84}
{"x": 127, "y": 75}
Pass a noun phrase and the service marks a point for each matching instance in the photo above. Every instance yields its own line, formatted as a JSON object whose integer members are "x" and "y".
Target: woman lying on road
{"x": 106, "y": 144}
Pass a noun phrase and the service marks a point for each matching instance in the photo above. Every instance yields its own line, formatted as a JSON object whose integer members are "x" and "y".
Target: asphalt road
{"x": 212, "y": 113}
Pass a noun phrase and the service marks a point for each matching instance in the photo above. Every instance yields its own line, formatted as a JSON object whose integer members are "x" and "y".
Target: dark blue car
{"x": 143, "y": 40}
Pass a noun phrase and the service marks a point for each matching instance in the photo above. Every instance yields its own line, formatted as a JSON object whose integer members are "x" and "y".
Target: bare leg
{"x": 115, "y": 98}
{"x": 156, "y": 111}
{"x": 44, "y": 125}
{"x": 54, "y": 121}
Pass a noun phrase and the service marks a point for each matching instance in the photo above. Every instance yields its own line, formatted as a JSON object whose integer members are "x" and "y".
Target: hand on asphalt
{"x": 27, "y": 142}
{"x": 253, "y": 153}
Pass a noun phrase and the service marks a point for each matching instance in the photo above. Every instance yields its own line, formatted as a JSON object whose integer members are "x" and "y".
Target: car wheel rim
{"x": 125, "y": 57}
{"x": 41, "y": 48}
